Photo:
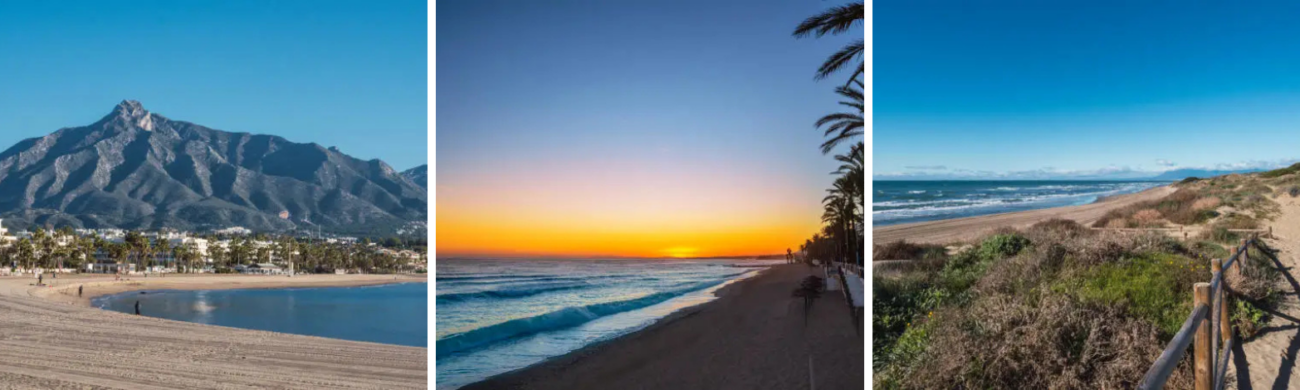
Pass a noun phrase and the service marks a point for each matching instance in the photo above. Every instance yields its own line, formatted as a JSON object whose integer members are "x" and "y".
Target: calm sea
{"x": 914, "y": 201}
{"x": 496, "y": 316}
{"x": 390, "y": 314}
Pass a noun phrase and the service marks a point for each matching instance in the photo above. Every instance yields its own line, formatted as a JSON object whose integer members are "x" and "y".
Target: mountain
{"x": 1179, "y": 174}
{"x": 134, "y": 169}
{"x": 418, "y": 175}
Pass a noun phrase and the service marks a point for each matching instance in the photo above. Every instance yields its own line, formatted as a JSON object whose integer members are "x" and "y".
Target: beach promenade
{"x": 752, "y": 337}
{"x": 50, "y": 339}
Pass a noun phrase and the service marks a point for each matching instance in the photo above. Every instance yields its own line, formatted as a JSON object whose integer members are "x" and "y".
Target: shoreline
{"x": 640, "y": 359}
{"x": 57, "y": 340}
{"x": 948, "y": 231}
{"x": 99, "y": 285}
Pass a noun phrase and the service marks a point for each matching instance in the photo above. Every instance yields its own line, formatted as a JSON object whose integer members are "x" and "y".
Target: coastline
{"x": 962, "y": 229}
{"x": 64, "y": 289}
{"x": 700, "y": 346}
{"x": 56, "y": 340}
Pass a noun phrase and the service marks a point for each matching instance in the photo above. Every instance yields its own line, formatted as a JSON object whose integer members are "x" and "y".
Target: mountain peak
{"x": 132, "y": 113}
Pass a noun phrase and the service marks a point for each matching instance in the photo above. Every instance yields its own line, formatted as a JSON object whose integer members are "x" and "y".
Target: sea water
{"x": 390, "y": 314}
{"x": 495, "y": 316}
{"x": 895, "y": 202}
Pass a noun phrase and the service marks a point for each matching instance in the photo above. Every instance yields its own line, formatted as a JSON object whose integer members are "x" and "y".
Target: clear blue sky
{"x": 350, "y": 74}
{"x": 707, "y": 83}
{"x": 667, "y": 116}
{"x": 995, "y": 87}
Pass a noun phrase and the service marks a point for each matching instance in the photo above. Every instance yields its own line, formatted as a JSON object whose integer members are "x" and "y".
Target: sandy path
{"x": 752, "y": 337}
{"x": 962, "y": 229}
{"x": 1268, "y": 360}
{"x": 49, "y": 340}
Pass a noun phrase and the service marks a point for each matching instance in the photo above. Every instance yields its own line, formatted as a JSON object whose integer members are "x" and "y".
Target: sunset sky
{"x": 637, "y": 129}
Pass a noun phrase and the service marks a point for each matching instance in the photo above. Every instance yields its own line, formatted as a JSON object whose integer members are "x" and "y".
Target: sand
{"x": 50, "y": 339}
{"x": 1268, "y": 360}
{"x": 752, "y": 337}
{"x": 964, "y": 229}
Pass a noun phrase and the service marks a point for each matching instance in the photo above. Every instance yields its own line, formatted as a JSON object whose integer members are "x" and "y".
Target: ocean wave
{"x": 917, "y": 192}
{"x": 510, "y": 292}
{"x": 559, "y": 319}
{"x": 885, "y": 211}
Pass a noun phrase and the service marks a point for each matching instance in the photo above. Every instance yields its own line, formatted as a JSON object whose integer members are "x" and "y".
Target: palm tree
{"x": 26, "y": 252}
{"x": 835, "y": 21}
{"x": 844, "y": 125}
{"x": 854, "y": 167}
{"x": 121, "y": 253}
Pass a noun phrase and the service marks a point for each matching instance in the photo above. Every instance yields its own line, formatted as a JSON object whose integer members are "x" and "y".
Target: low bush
{"x": 1281, "y": 171}
{"x": 903, "y": 250}
{"x": 1155, "y": 287}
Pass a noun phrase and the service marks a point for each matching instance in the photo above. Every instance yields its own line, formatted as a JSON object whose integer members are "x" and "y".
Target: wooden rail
{"x": 1208, "y": 325}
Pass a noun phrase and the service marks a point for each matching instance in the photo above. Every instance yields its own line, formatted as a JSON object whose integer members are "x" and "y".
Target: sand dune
{"x": 49, "y": 339}
{"x": 961, "y": 229}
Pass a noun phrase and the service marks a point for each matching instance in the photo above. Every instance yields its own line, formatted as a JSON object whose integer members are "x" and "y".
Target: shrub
{"x": 1220, "y": 234}
{"x": 1117, "y": 223}
{"x": 903, "y": 250}
{"x": 1294, "y": 191}
{"x": 1032, "y": 342}
{"x": 1207, "y": 203}
{"x": 1209, "y": 250}
{"x": 1147, "y": 218}
{"x": 1189, "y": 180}
{"x": 1155, "y": 287}
{"x": 1002, "y": 245}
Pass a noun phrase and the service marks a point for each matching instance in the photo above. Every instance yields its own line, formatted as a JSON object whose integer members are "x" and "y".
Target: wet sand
{"x": 969, "y": 228}
{"x": 752, "y": 337}
{"x": 51, "y": 339}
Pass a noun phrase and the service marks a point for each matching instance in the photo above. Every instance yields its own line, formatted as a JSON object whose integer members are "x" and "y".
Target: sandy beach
{"x": 51, "y": 339}
{"x": 961, "y": 229}
{"x": 752, "y": 337}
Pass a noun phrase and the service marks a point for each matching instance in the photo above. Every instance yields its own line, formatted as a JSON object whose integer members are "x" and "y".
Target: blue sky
{"x": 716, "y": 82}
{"x": 348, "y": 74}
{"x": 1062, "y": 89}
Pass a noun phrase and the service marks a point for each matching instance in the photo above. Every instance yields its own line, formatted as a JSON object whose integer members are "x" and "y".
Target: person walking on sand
{"x": 40, "y": 279}
{"x": 79, "y": 291}
{"x": 137, "y": 307}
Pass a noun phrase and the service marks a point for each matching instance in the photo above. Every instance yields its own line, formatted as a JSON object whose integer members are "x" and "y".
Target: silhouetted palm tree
{"x": 844, "y": 126}
{"x": 835, "y": 21}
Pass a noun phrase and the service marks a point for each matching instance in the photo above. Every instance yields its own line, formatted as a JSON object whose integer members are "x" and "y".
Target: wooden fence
{"x": 1208, "y": 326}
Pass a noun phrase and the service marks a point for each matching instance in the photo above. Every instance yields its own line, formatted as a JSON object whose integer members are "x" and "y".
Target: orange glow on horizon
{"x": 523, "y": 214}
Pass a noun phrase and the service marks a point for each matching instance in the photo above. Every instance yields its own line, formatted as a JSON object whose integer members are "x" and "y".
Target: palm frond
{"x": 840, "y": 59}
{"x": 834, "y": 21}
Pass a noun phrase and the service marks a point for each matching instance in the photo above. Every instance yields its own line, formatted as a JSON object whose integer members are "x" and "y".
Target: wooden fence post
{"x": 1225, "y": 325}
{"x": 1203, "y": 363}
{"x": 1244, "y": 252}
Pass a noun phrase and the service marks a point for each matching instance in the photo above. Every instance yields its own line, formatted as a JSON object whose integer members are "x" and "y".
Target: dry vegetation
{"x": 1244, "y": 198}
{"x": 1055, "y": 306}
{"x": 903, "y": 250}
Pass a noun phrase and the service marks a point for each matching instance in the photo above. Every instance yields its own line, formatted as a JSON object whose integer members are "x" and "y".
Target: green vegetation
{"x": 1152, "y": 286}
{"x": 903, "y": 250}
{"x": 1053, "y": 306}
{"x": 1281, "y": 171}
{"x": 143, "y": 252}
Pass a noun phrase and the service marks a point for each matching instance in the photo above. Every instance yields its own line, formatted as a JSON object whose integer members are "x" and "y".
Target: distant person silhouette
{"x": 137, "y": 307}
{"x": 40, "y": 279}
{"x": 79, "y": 291}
